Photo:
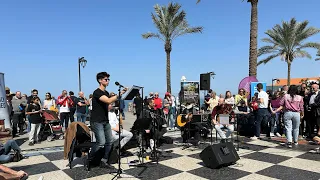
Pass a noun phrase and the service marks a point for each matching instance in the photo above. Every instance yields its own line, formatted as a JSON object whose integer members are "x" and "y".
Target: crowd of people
{"x": 296, "y": 107}
{"x": 291, "y": 111}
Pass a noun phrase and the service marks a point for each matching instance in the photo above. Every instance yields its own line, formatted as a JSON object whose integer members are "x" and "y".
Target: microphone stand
{"x": 119, "y": 171}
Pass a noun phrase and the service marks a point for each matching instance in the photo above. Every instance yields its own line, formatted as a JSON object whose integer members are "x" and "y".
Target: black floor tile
{"x": 283, "y": 172}
{"x": 300, "y": 147}
{"x": 265, "y": 157}
{"x": 54, "y": 156}
{"x": 37, "y": 168}
{"x": 252, "y": 147}
{"x": 152, "y": 171}
{"x": 80, "y": 172}
{"x": 310, "y": 156}
{"x": 225, "y": 173}
{"x": 166, "y": 156}
{"x": 167, "y": 146}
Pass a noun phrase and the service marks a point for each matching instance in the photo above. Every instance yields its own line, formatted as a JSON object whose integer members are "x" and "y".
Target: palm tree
{"x": 253, "y": 54}
{"x": 318, "y": 54}
{"x": 288, "y": 42}
{"x": 170, "y": 23}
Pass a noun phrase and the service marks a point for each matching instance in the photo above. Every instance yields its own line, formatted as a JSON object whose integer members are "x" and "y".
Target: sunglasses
{"x": 107, "y": 79}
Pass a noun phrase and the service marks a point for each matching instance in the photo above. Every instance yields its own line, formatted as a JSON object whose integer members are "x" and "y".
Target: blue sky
{"x": 40, "y": 42}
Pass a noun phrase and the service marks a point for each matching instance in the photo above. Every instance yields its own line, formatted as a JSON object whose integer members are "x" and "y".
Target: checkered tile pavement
{"x": 259, "y": 160}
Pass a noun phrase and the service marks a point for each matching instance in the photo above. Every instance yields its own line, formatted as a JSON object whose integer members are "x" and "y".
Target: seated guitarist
{"x": 223, "y": 108}
{"x": 190, "y": 129}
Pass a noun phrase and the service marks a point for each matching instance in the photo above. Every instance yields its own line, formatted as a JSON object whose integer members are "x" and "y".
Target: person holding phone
{"x": 34, "y": 111}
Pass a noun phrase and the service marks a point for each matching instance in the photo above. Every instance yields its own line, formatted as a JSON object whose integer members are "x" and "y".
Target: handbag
{"x": 53, "y": 107}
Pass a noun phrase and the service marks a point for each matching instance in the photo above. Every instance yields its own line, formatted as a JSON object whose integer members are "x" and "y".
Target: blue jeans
{"x": 275, "y": 122}
{"x": 123, "y": 114}
{"x": 11, "y": 144}
{"x": 262, "y": 113}
{"x": 292, "y": 124}
{"x": 81, "y": 117}
{"x": 171, "y": 120}
{"x": 104, "y": 139}
{"x": 29, "y": 123}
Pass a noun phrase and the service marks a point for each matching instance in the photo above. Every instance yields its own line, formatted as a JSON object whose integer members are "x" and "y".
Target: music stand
{"x": 132, "y": 92}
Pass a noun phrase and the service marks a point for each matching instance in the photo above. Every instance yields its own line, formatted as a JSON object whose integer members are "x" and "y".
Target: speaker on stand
{"x": 205, "y": 81}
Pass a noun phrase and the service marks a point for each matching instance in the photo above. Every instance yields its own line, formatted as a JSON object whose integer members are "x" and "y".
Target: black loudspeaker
{"x": 204, "y": 81}
{"x": 219, "y": 155}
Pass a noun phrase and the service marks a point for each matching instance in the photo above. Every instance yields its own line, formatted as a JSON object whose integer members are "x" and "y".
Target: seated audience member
{"x": 10, "y": 174}
{"x": 114, "y": 123}
{"x": 159, "y": 129}
{"x": 223, "y": 108}
{"x": 5, "y": 149}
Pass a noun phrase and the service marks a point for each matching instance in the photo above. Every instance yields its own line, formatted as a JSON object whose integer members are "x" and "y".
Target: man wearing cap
{"x": 18, "y": 106}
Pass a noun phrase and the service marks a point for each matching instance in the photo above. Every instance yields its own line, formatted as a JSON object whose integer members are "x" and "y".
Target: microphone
{"x": 118, "y": 84}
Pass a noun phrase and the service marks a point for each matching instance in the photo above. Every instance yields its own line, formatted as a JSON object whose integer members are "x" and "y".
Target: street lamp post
{"x": 81, "y": 62}
{"x": 272, "y": 83}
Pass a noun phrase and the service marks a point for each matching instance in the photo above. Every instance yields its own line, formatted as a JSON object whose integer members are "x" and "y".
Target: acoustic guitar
{"x": 183, "y": 119}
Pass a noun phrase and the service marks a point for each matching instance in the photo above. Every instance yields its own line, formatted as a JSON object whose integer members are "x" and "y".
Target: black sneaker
{"x": 31, "y": 143}
{"x": 86, "y": 163}
{"x": 289, "y": 144}
{"x": 106, "y": 165}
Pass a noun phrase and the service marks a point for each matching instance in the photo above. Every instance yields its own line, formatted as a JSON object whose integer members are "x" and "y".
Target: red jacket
{"x": 62, "y": 101}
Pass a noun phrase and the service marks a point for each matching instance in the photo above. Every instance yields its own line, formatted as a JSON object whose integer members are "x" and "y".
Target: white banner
{"x": 4, "y": 114}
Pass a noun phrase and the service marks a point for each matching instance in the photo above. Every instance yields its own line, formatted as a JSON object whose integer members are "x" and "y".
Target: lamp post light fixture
{"x": 81, "y": 62}
{"x": 278, "y": 80}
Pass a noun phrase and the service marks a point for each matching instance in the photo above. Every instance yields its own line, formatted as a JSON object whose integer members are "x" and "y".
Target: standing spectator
{"x": 73, "y": 107}
{"x": 229, "y": 98}
{"x": 90, "y": 102}
{"x": 314, "y": 104}
{"x": 34, "y": 110}
{"x": 65, "y": 102}
{"x": 34, "y": 93}
{"x": 263, "y": 101}
{"x": 275, "y": 119}
{"x": 292, "y": 104}
{"x": 167, "y": 102}
{"x": 49, "y": 103}
{"x": 18, "y": 107}
{"x": 157, "y": 101}
{"x": 137, "y": 104}
{"x": 81, "y": 104}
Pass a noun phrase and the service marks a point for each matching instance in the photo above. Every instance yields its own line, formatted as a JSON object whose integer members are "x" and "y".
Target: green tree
{"x": 171, "y": 23}
{"x": 287, "y": 41}
{"x": 253, "y": 53}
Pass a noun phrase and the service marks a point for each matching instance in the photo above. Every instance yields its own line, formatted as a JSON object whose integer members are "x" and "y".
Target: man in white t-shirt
{"x": 263, "y": 101}
{"x": 114, "y": 123}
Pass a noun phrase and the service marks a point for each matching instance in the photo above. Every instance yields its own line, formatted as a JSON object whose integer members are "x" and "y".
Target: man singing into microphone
{"x": 99, "y": 121}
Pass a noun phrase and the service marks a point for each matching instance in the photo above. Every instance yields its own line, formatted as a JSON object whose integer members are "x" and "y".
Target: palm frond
{"x": 269, "y": 58}
{"x": 301, "y": 54}
{"x": 266, "y": 50}
{"x": 310, "y": 45}
{"x": 152, "y": 35}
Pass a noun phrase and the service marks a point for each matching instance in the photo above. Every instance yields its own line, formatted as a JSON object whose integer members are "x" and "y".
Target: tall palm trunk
{"x": 168, "y": 48}
{"x": 253, "y": 53}
{"x": 289, "y": 73}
